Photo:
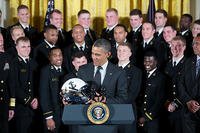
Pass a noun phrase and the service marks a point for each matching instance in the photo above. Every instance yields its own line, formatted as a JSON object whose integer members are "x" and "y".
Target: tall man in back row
{"x": 113, "y": 79}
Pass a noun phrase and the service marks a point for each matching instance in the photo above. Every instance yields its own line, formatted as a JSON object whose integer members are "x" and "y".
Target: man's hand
{"x": 193, "y": 106}
{"x": 10, "y": 114}
{"x": 34, "y": 103}
{"x": 141, "y": 121}
{"x": 171, "y": 107}
{"x": 50, "y": 124}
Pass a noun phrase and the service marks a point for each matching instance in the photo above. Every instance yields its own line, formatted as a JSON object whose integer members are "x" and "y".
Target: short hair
{"x": 151, "y": 52}
{"x": 123, "y": 26}
{"x": 103, "y": 43}
{"x": 14, "y": 28}
{"x": 21, "y": 7}
{"x": 162, "y": 11}
{"x": 172, "y": 26}
{"x": 197, "y": 21}
{"x": 152, "y": 24}
{"x": 49, "y": 27}
{"x": 198, "y": 34}
{"x": 55, "y": 11}
{"x": 188, "y": 16}
{"x": 180, "y": 38}
{"x": 127, "y": 44}
{"x": 78, "y": 54}
{"x": 22, "y": 39}
{"x": 52, "y": 49}
{"x": 77, "y": 25}
{"x": 112, "y": 10}
{"x": 82, "y": 12}
{"x": 136, "y": 12}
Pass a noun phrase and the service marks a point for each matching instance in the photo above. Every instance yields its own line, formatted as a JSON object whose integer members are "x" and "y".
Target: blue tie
{"x": 197, "y": 67}
{"x": 97, "y": 76}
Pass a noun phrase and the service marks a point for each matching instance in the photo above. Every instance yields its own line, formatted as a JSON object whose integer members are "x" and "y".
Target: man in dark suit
{"x": 23, "y": 21}
{"x": 174, "y": 70}
{"x": 16, "y": 32}
{"x": 41, "y": 52}
{"x": 152, "y": 94}
{"x": 49, "y": 91}
{"x": 135, "y": 35}
{"x": 112, "y": 20}
{"x": 120, "y": 33}
{"x": 22, "y": 74}
{"x": 79, "y": 44}
{"x": 185, "y": 24}
{"x": 148, "y": 30}
{"x": 56, "y": 19}
{"x": 7, "y": 95}
{"x": 189, "y": 90}
{"x": 134, "y": 79}
{"x": 160, "y": 20}
{"x": 112, "y": 78}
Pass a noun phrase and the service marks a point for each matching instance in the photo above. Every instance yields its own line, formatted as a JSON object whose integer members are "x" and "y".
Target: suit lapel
{"x": 108, "y": 75}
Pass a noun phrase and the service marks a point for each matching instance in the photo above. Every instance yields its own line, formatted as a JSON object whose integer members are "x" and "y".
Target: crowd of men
{"x": 154, "y": 67}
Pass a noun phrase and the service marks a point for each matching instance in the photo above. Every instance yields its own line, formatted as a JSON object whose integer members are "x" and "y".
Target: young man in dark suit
{"x": 134, "y": 79}
{"x": 23, "y": 21}
{"x": 152, "y": 95}
{"x": 112, "y": 19}
{"x": 135, "y": 35}
{"x": 49, "y": 90}
{"x": 41, "y": 51}
{"x": 185, "y": 25}
{"x": 174, "y": 70}
{"x": 22, "y": 76}
{"x": 79, "y": 44}
{"x": 189, "y": 90}
{"x": 112, "y": 78}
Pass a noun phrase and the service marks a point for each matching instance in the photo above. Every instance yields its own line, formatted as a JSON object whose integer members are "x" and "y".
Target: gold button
{"x": 145, "y": 109}
{"x": 174, "y": 86}
{"x": 2, "y": 81}
{"x": 24, "y": 99}
{"x": 145, "y": 95}
{"x": 1, "y": 90}
{"x": 29, "y": 90}
{"x": 174, "y": 93}
{"x": 150, "y": 113}
{"x": 1, "y": 98}
{"x": 145, "y": 102}
{"x": 29, "y": 83}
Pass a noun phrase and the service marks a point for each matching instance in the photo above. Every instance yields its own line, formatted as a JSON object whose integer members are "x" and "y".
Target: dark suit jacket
{"x": 49, "y": 90}
{"x": 108, "y": 35}
{"x": 88, "y": 39}
{"x": 41, "y": 54}
{"x": 135, "y": 38}
{"x": 174, "y": 74}
{"x": 22, "y": 77}
{"x": 152, "y": 96}
{"x": 71, "y": 50}
{"x": 114, "y": 82}
{"x": 189, "y": 39}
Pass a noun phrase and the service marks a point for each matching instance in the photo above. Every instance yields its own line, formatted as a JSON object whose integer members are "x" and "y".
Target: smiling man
{"x": 112, "y": 78}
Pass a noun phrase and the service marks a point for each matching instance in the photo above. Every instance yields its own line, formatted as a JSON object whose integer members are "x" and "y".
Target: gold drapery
{"x": 97, "y": 8}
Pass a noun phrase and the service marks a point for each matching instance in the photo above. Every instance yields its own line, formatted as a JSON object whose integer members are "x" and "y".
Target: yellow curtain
{"x": 97, "y": 8}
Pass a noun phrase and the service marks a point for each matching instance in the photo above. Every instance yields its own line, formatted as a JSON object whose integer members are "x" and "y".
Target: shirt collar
{"x": 110, "y": 28}
{"x": 104, "y": 66}
{"x": 124, "y": 65}
{"x": 183, "y": 32}
{"x": 148, "y": 40}
{"x": 151, "y": 72}
{"x": 24, "y": 26}
{"x": 50, "y": 45}
{"x": 177, "y": 60}
{"x": 78, "y": 45}
{"x": 136, "y": 28}
{"x": 160, "y": 30}
{"x": 57, "y": 67}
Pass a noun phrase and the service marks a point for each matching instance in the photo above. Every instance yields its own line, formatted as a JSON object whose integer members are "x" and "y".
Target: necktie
{"x": 61, "y": 34}
{"x": 90, "y": 35}
{"x": 97, "y": 76}
{"x": 197, "y": 67}
{"x": 174, "y": 64}
{"x": 145, "y": 44}
{"x": 107, "y": 30}
{"x": 81, "y": 48}
{"x": 26, "y": 29}
{"x": 26, "y": 60}
{"x": 147, "y": 75}
{"x": 156, "y": 34}
{"x": 59, "y": 70}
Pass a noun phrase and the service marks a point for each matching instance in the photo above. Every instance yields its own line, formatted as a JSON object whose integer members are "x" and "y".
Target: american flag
{"x": 49, "y": 9}
{"x": 151, "y": 11}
